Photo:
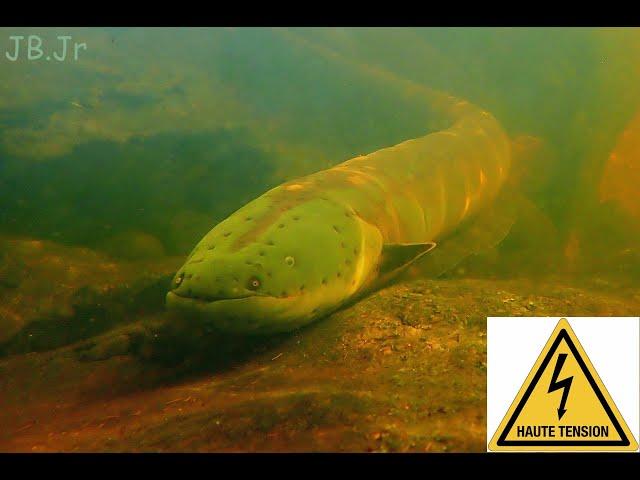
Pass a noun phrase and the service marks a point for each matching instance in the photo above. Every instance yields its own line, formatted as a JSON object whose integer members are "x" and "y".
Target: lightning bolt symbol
{"x": 562, "y": 384}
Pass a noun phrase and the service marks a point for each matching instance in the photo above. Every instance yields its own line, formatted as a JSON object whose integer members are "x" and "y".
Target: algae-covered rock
{"x": 53, "y": 295}
{"x": 90, "y": 313}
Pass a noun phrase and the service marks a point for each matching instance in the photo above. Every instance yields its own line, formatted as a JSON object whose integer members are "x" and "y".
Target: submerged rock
{"x": 53, "y": 295}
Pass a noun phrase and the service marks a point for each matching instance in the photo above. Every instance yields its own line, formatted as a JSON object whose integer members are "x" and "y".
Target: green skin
{"x": 305, "y": 248}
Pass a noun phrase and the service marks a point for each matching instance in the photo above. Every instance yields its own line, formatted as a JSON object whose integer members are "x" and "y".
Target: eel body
{"x": 308, "y": 246}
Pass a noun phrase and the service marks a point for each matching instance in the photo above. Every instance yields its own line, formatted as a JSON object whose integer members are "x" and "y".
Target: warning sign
{"x": 563, "y": 404}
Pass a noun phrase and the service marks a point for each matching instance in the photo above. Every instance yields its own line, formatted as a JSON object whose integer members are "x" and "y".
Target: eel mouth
{"x": 248, "y": 315}
{"x": 207, "y": 299}
{"x": 210, "y": 299}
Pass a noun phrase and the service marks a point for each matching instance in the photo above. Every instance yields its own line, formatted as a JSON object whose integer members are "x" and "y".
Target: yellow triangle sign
{"x": 563, "y": 404}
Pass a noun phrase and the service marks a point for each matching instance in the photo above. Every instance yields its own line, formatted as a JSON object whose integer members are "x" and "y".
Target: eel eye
{"x": 179, "y": 279}
{"x": 253, "y": 284}
{"x": 290, "y": 261}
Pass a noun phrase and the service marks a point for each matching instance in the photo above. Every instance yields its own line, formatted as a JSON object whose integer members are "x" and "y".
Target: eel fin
{"x": 478, "y": 236}
{"x": 396, "y": 257}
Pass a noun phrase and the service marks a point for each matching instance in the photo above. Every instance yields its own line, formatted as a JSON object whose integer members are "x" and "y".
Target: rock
{"x": 343, "y": 383}
{"x": 68, "y": 294}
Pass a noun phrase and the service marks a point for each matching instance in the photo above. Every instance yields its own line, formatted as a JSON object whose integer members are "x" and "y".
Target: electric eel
{"x": 309, "y": 246}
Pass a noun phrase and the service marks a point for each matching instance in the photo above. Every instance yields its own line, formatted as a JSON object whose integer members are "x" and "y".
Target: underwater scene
{"x": 290, "y": 239}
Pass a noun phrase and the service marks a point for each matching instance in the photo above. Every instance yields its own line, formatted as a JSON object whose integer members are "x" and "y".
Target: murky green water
{"x": 166, "y": 131}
